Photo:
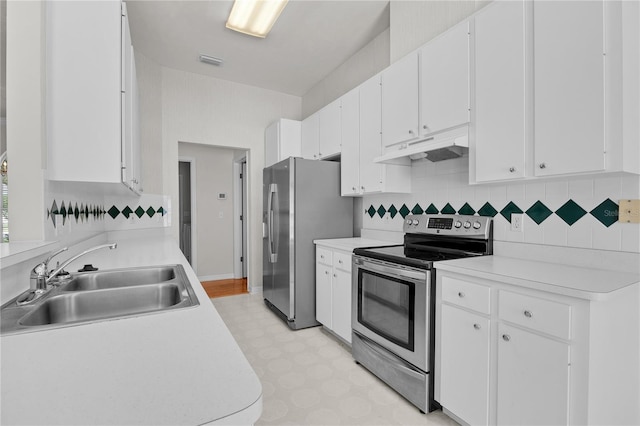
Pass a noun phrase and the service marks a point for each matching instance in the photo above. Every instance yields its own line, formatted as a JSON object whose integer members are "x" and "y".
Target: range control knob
{"x": 409, "y": 221}
{"x": 416, "y": 222}
{"x": 458, "y": 224}
{"x": 476, "y": 225}
{"x": 467, "y": 225}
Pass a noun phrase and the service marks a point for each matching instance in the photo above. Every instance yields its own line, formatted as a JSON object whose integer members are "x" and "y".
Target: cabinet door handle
{"x": 512, "y": 169}
{"x": 340, "y": 262}
{"x": 460, "y": 294}
{"x": 326, "y": 272}
{"x": 506, "y": 337}
{"x": 476, "y": 326}
{"x": 335, "y": 276}
{"x": 362, "y": 187}
{"x": 425, "y": 127}
{"x": 353, "y": 188}
{"x": 528, "y": 314}
{"x": 410, "y": 132}
{"x": 542, "y": 166}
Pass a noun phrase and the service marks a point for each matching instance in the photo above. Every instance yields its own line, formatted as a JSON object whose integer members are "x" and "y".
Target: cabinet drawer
{"x": 466, "y": 294}
{"x": 342, "y": 261}
{"x": 324, "y": 256}
{"x": 538, "y": 314}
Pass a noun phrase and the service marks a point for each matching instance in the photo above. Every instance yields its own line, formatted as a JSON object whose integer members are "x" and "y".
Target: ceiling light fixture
{"x": 211, "y": 60}
{"x": 255, "y": 17}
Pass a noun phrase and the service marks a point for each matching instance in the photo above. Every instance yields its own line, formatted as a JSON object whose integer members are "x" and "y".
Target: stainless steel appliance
{"x": 301, "y": 203}
{"x": 393, "y": 295}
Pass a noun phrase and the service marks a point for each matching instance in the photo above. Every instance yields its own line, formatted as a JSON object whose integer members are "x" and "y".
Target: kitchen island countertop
{"x": 174, "y": 367}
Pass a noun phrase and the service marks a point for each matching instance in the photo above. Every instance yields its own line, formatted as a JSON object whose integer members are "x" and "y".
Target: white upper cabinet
{"x": 500, "y": 108}
{"x": 281, "y": 140}
{"x": 350, "y": 136}
{"x": 569, "y": 86}
{"x": 400, "y": 101}
{"x": 310, "y": 137}
{"x": 90, "y": 65}
{"x": 329, "y": 128}
{"x": 444, "y": 81}
{"x": 371, "y": 174}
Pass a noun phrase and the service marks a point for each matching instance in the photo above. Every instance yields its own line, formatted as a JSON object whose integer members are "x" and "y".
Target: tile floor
{"x": 308, "y": 378}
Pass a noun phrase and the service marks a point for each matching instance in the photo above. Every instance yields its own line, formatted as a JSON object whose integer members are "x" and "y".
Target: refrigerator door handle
{"x": 273, "y": 256}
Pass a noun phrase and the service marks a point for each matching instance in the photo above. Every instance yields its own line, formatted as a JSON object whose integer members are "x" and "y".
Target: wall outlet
{"x": 629, "y": 211}
{"x": 516, "y": 222}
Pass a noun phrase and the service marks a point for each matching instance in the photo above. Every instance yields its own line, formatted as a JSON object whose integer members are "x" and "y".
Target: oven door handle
{"x": 396, "y": 272}
{"x": 400, "y": 364}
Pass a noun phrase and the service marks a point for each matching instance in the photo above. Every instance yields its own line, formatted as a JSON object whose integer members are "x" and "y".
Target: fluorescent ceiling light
{"x": 211, "y": 60}
{"x": 255, "y": 17}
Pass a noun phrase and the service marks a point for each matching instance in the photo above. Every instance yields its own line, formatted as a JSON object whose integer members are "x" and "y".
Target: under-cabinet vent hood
{"x": 436, "y": 148}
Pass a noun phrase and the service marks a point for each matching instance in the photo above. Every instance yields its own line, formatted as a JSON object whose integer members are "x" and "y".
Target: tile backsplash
{"x": 577, "y": 212}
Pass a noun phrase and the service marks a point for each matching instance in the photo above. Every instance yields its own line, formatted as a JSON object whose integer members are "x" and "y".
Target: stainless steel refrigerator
{"x": 301, "y": 203}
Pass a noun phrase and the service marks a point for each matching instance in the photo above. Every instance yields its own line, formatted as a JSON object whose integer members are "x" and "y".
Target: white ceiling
{"x": 310, "y": 39}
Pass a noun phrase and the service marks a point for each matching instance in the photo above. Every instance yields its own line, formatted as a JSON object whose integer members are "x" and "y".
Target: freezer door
{"x": 278, "y": 244}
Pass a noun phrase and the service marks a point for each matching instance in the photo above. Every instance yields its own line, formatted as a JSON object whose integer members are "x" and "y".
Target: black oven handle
{"x": 390, "y": 270}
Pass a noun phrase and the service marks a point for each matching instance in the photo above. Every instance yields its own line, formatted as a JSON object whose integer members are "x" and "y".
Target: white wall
{"x": 214, "y": 239}
{"x": 209, "y": 111}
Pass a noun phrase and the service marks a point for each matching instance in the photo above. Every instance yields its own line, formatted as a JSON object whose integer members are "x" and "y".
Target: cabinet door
{"x": 464, "y": 365}
{"x": 569, "y": 99}
{"x": 444, "y": 81}
{"x": 533, "y": 378}
{"x": 400, "y": 101}
{"x": 341, "y": 319}
{"x": 500, "y": 92}
{"x": 323, "y": 294}
{"x": 350, "y": 157}
{"x": 330, "y": 128}
{"x": 370, "y": 141}
{"x": 310, "y": 138}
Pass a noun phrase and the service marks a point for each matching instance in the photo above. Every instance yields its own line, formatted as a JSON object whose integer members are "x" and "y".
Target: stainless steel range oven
{"x": 393, "y": 293}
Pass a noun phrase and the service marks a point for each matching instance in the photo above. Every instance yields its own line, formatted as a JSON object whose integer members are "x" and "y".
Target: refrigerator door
{"x": 278, "y": 285}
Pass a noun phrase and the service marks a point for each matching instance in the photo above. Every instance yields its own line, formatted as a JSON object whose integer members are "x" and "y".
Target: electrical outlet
{"x": 516, "y": 222}
{"x": 629, "y": 211}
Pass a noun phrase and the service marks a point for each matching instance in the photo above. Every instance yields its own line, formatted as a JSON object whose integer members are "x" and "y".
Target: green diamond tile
{"x": 127, "y": 211}
{"x": 538, "y": 212}
{"x": 487, "y": 210}
{"x": 139, "y": 212}
{"x": 606, "y": 212}
{"x": 466, "y": 209}
{"x": 570, "y": 212}
{"x": 509, "y": 209}
{"x": 54, "y": 207}
{"x": 151, "y": 212}
{"x": 404, "y": 211}
{"x": 371, "y": 211}
{"x": 76, "y": 212}
{"x": 431, "y": 209}
{"x": 161, "y": 210}
{"x": 113, "y": 212}
{"x": 417, "y": 209}
{"x": 63, "y": 210}
{"x": 393, "y": 211}
{"x": 448, "y": 209}
{"x": 69, "y": 210}
{"x": 381, "y": 211}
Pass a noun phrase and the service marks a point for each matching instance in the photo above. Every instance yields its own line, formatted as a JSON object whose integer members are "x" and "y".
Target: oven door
{"x": 390, "y": 307}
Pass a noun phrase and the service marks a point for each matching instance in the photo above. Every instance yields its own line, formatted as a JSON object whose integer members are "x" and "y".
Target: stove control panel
{"x": 444, "y": 224}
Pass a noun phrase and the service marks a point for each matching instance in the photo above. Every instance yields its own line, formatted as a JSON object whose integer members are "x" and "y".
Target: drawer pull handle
{"x": 476, "y": 326}
{"x": 340, "y": 262}
{"x": 326, "y": 272}
{"x": 321, "y": 256}
{"x": 528, "y": 314}
{"x": 506, "y": 337}
{"x": 460, "y": 294}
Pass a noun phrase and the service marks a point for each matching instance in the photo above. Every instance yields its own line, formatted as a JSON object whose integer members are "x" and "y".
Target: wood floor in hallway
{"x": 221, "y": 288}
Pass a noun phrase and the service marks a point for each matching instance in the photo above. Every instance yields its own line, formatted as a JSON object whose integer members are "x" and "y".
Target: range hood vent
{"x": 436, "y": 148}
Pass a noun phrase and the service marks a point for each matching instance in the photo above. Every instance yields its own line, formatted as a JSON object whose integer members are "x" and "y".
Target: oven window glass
{"x": 386, "y": 307}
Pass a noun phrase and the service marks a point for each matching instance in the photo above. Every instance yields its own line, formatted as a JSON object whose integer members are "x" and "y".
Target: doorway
{"x": 240, "y": 188}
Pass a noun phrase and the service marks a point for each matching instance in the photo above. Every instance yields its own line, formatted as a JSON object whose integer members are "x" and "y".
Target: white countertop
{"x": 175, "y": 367}
{"x": 350, "y": 244}
{"x": 580, "y": 282}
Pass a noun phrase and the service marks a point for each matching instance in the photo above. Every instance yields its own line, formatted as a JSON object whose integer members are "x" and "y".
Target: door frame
{"x": 194, "y": 221}
{"x": 240, "y": 227}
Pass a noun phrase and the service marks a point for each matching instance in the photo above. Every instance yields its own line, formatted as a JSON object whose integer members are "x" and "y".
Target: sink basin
{"x": 103, "y": 304}
{"x": 102, "y": 295}
{"x": 101, "y": 280}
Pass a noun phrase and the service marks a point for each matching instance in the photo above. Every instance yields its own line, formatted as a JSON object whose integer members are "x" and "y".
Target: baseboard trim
{"x": 216, "y": 277}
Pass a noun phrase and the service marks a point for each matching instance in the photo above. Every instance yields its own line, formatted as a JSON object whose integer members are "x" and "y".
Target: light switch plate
{"x": 629, "y": 211}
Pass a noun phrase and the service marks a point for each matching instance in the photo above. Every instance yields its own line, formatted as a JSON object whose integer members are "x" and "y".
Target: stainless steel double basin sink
{"x": 102, "y": 295}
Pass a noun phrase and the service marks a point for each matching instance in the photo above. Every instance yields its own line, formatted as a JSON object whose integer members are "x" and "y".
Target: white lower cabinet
{"x": 465, "y": 364}
{"x": 510, "y": 355}
{"x": 333, "y": 291}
